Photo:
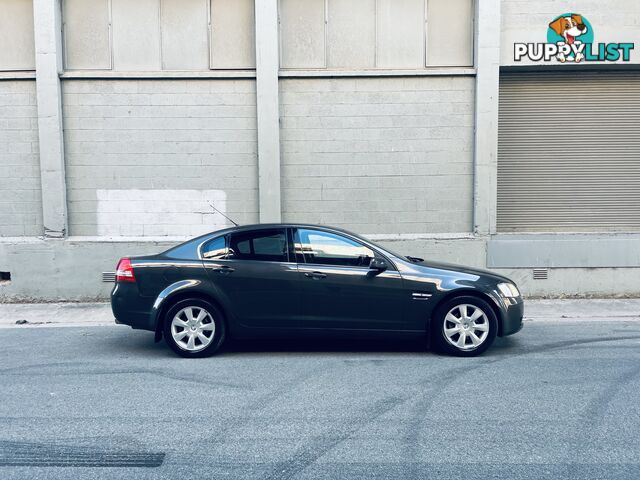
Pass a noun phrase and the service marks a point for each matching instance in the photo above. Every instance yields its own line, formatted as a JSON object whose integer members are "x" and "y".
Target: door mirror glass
{"x": 378, "y": 265}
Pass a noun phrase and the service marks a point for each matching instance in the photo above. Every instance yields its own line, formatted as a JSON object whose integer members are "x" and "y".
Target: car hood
{"x": 425, "y": 265}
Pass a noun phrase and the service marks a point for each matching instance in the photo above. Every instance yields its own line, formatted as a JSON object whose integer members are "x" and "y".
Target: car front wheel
{"x": 194, "y": 328}
{"x": 464, "y": 326}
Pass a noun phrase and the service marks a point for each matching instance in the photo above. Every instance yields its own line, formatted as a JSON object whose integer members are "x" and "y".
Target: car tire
{"x": 464, "y": 326}
{"x": 194, "y": 328}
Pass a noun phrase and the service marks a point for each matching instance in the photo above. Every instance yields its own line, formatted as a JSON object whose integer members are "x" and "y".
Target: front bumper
{"x": 513, "y": 313}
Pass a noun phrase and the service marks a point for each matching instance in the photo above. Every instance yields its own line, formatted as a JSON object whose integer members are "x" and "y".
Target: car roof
{"x": 266, "y": 226}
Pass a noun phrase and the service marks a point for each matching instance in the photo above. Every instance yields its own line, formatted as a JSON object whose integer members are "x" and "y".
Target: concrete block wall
{"x": 407, "y": 157}
{"x": 50, "y": 270}
{"x": 159, "y": 212}
{"x": 20, "y": 195}
{"x": 157, "y": 136}
{"x": 378, "y": 155}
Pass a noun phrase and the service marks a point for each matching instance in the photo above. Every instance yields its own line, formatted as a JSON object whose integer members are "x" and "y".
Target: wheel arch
{"x": 173, "y": 298}
{"x": 469, "y": 292}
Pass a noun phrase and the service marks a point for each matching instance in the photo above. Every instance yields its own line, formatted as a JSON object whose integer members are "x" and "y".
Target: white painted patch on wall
{"x": 159, "y": 213}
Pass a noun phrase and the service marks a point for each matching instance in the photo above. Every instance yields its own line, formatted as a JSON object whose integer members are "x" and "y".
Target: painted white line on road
{"x": 612, "y": 318}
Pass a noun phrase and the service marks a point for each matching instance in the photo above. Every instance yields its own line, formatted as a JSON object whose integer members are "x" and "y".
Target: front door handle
{"x": 315, "y": 275}
{"x": 224, "y": 270}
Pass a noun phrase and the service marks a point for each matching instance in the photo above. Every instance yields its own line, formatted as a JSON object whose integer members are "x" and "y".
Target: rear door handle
{"x": 315, "y": 275}
{"x": 224, "y": 270}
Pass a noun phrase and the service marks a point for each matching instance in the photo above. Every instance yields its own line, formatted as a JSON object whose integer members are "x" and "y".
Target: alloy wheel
{"x": 193, "y": 328}
{"x": 466, "y": 326}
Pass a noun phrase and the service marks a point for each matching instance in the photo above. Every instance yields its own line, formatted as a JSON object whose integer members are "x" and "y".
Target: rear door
{"x": 337, "y": 288}
{"x": 252, "y": 269}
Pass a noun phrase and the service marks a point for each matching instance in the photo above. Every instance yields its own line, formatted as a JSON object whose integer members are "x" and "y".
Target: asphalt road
{"x": 558, "y": 400}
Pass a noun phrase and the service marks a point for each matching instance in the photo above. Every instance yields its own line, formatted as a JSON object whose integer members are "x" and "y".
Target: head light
{"x": 508, "y": 290}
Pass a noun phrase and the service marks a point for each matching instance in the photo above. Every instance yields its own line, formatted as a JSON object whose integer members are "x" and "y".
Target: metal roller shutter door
{"x": 569, "y": 153}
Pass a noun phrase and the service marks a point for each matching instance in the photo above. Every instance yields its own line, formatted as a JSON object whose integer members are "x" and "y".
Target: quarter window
{"x": 326, "y": 248}
{"x": 265, "y": 245}
{"x": 214, "y": 249}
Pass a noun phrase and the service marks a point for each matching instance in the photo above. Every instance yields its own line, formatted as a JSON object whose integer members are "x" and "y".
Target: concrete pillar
{"x": 268, "y": 115}
{"x": 487, "y": 57}
{"x": 47, "y": 31}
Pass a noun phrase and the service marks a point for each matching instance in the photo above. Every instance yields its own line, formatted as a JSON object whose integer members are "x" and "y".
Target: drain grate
{"x": 27, "y": 454}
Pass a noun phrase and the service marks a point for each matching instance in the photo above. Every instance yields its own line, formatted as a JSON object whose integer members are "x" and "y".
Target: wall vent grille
{"x": 540, "y": 273}
{"x": 108, "y": 277}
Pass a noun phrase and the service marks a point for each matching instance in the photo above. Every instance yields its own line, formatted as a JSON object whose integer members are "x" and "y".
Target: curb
{"x": 55, "y": 314}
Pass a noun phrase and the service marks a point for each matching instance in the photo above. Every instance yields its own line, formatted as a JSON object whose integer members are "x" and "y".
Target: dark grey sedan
{"x": 291, "y": 279}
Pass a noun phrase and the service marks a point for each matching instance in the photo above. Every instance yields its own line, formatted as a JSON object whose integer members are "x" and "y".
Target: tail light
{"x": 124, "y": 271}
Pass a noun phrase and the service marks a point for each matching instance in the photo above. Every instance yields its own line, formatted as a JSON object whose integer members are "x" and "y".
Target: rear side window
{"x": 265, "y": 245}
{"x": 215, "y": 248}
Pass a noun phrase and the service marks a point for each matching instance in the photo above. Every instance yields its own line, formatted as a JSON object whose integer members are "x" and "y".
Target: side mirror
{"x": 377, "y": 265}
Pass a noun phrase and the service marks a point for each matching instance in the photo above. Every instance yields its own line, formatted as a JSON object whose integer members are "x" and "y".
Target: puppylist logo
{"x": 570, "y": 39}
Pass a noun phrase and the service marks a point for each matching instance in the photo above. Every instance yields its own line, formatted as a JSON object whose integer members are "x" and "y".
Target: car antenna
{"x": 215, "y": 210}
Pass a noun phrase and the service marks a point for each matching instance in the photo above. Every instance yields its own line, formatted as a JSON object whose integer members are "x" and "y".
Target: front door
{"x": 254, "y": 274}
{"x": 337, "y": 288}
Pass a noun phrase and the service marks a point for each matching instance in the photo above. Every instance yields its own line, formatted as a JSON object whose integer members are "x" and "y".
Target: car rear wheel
{"x": 194, "y": 328}
{"x": 465, "y": 326}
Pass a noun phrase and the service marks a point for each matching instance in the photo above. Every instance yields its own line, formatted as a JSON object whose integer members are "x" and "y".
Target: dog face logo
{"x": 569, "y": 27}
{"x": 566, "y": 29}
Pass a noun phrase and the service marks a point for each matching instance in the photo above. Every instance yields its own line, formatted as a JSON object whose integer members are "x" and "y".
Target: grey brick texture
{"x": 379, "y": 155}
{"x": 20, "y": 197}
{"x": 159, "y": 134}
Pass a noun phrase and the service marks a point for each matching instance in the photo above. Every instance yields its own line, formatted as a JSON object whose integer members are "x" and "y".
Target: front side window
{"x": 325, "y": 248}
{"x": 265, "y": 245}
{"x": 214, "y": 249}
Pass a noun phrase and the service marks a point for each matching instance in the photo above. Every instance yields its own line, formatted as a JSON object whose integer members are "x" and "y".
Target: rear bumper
{"x": 512, "y": 317}
{"x": 129, "y": 308}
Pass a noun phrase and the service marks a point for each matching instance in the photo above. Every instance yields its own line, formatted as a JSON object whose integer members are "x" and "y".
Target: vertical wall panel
{"x": 233, "y": 34}
{"x": 378, "y": 155}
{"x": 185, "y": 29}
{"x": 302, "y": 34}
{"x": 136, "y": 35}
{"x": 17, "y": 50}
{"x": 351, "y": 33}
{"x": 401, "y": 35}
{"x": 450, "y": 32}
{"x": 86, "y": 34}
{"x": 20, "y": 194}
{"x": 159, "y": 139}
